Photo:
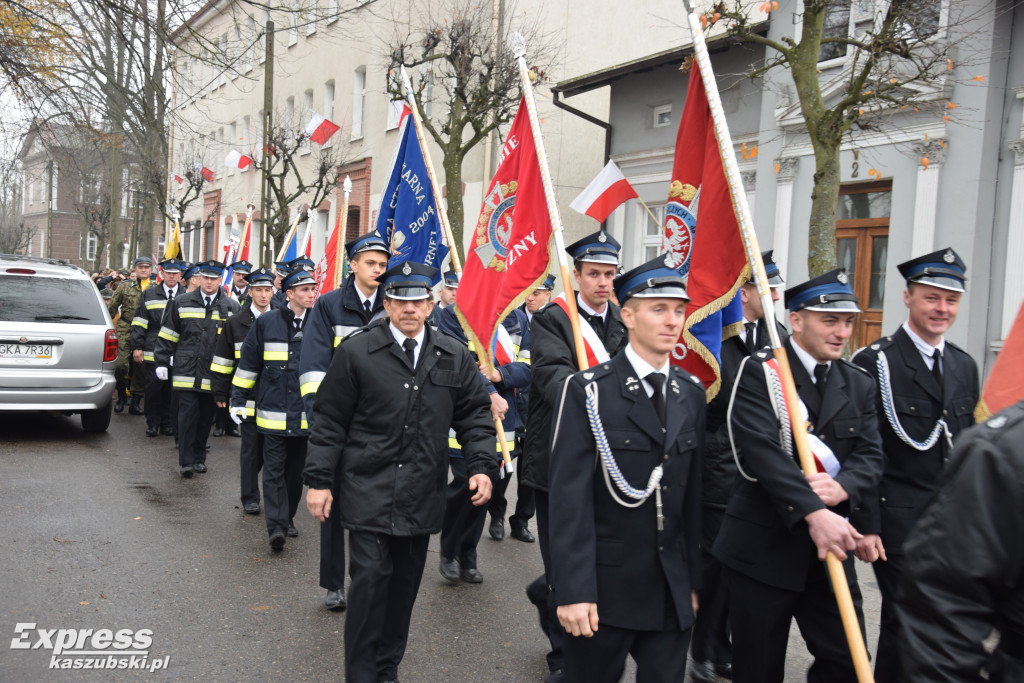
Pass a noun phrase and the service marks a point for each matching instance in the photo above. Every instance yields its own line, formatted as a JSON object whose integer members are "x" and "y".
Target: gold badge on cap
{"x": 406, "y": 269}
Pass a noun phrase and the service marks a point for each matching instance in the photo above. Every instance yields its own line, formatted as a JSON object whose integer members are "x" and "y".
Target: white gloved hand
{"x": 161, "y": 373}
{"x": 237, "y": 415}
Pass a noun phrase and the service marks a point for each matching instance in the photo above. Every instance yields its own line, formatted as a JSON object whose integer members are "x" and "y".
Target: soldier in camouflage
{"x": 126, "y": 299}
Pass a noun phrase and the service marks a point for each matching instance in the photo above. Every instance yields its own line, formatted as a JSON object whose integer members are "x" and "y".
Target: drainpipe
{"x": 587, "y": 117}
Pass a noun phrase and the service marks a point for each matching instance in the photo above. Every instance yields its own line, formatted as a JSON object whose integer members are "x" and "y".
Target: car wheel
{"x": 95, "y": 421}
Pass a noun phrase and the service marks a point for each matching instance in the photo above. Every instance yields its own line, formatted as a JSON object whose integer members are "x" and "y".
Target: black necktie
{"x": 657, "y": 381}
{"x": 820, "y": 377}
{"x": 208, "y": 302}
{"x": 170, "y": 294}
{"x": 366, "y": 306}
{"x": 298, "y": 323}
{"x": 751, "y": 336}
{"x": 597, "y": 322}
{"x": 410, "y": 351}
{"x": 937, "y": 367}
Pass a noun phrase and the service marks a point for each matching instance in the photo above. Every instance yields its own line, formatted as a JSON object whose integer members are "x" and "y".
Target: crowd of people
{"x": 666, "y": 524}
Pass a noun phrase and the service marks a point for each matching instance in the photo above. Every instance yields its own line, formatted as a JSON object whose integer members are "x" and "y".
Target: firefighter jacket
{"x": 188, "y": 333}
{"x": 149, "y": 317}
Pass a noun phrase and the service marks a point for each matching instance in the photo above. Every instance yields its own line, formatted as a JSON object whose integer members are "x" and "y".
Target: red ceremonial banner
{"x": 509, "y": 254}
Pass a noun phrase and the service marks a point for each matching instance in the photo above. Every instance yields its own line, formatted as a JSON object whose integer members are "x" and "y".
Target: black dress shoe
{"x": 186, "y": 471}
{"x": 292, "y": 531}
{"x": 167, "y": 431}
{"x": 134, "y": 408}
{"x": 200, "y": 467}
{"x": 252, "y": 508}
{"x": 449, "y": 569}
{"x": 523, "y": 534}
{"x": 703, "y": 671}
{"x": 119, "y": 405}
{"x": 277, "y": 540}
{"x": 335, "y": 601}
{"x": 556, "y": 676}
{"x": 233, "y": 431}
{"x": 724, "y": 670}
{"x": 497, "y": 528}
{"x": 152, "y": 431}
{"x": 471, "y": 575}
{"x": 218, "y": 431}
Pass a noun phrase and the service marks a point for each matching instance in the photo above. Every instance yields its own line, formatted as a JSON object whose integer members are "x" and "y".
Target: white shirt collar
{"x": 257, "y": 312}
{"x": 363, "y": 298}
{"x": 169, "y": 290}
{"x": 926, "y": 349}
{"x": 590, "y": 311}
{"x": 743, "y": 329}
{"x": 643, "y": 368}
{"x": 400, "y": 338}
{"x": 807, "y": 360}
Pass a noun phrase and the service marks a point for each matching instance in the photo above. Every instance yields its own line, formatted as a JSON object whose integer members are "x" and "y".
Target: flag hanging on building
{"x": 703, "y": 236}
{"x": 408, "y": 216}
{"x": 319, "y": 129}
{"x": 177, "y": 178}
{"x": 1005, "y": 383}
{"x": 236, "y": 159}
{"x": 206, "y": 173}
{"x": 604, "y": 194}
{"x": 509, "y": 255}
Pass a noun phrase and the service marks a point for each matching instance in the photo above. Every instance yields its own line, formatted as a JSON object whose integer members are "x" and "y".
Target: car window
{"x": 30, "y": 298}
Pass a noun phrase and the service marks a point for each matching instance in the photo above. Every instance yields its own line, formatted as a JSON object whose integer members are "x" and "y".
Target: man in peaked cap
{"x": 625, "y": 533}
{"x": 927, "y": 388}
{"x": 380, "y": 428}
{"x": 450, "y": 287}
{"x": 712, "y": 649}
{"x": 337, "y": 314}
{"x": 126, "y": 300}
{"x": 239, "y": 284}
{"x": 780, "y": 524}
{"x": 553, "y": 360}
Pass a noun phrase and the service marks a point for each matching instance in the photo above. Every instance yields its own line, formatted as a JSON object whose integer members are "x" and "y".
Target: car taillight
{"x": 110, "y": 346}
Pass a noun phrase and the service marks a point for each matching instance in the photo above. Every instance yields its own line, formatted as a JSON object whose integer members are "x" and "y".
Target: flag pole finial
{"x": 346, "y": 186}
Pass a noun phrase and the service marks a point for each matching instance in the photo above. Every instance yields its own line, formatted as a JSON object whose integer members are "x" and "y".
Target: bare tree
{"x": 461, "y": 48}
{"x": 15, "y": 236}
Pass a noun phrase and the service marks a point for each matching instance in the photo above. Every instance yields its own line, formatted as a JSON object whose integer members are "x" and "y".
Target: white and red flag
{"x": 319, "y": 129}
{"x": 604, "y": 194}
{"x": 236, "y": 159}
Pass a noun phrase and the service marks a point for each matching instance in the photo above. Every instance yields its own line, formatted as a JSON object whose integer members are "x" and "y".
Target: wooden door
{"x": 862, "y": 247}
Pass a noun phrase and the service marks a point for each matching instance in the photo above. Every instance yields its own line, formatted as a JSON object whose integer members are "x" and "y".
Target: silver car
{"x": 58, "y": 347}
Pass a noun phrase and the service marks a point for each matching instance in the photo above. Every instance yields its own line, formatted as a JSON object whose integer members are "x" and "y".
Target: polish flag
{"x": 177, "y": 178}
{"x": 236, "y": 159}
{"x": 319, "y": 129}
{"x": 206, "y": 173}
{"x": 604, "y": 194}
{"x": 402, "y": 110}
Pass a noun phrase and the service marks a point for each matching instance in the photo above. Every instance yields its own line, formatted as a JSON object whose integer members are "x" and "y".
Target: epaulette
{"x": 350, "y": 335}
{"x": 762, "y": 356}
{"x": 957, "y": 348}
{"x": 678, "y": 372}
{"x": 1001, "y": 422}
{"x": 596, "y": 372}
{"x": 876, "y": 346}
{"x": 854, "y": 366}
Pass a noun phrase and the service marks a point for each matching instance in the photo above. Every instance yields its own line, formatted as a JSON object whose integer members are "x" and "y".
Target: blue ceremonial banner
{"x": 719, "y": 326}
{"x": 408, "y": 219}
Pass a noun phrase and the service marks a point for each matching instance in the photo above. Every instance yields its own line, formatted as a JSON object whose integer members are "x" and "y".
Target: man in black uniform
{"x": 927, "y": 390}
{"x": 240, "y": 281}
{"x": 336, "y": 315}
{"x": 382, "y": 417}
{"x": 779, "y": 524}
{"x": 146, "y": 324}
{"x": 189, "y": 333}
{"x": 712, "y": 649}
{"x": 625, "y": 534}
{"x": 259, "y": 289}
{"x": 269, "y": 368}
{"x": 553, "y": 359}
{"x": 963, "y": 575}
{"x": 446, "y": 295}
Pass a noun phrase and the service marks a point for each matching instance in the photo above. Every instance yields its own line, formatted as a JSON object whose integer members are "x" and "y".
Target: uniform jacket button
{"x": 789, "y": 508}
{"x": 626, "y": 442}
{"x": 665, "y": 458}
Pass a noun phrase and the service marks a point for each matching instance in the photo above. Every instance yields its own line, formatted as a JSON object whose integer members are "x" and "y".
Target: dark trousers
{"x": 711, "y": 628}
{"x": 463, "y": 522}
{"x": 283, "y": 460}
{"x": 660, "y": 656}
{"x": 556, "y": 633}
{"x": 525, "y": 505}
{"x": 760, "y": 616}
{"x": 386, "y": 573}
{"x": 195, "y": 415}
{"x": 222, "y": 418}
{"x": 158, "y": 398}
{"x": 887, "y": 658}
{"x": 332, "y": 546}
{"x": 250, "y": 460}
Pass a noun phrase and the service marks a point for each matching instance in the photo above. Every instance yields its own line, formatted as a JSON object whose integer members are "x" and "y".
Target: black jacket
{"x": 228, "y": 349}
{"x": 764, "y": 534}
{"x": 149, "y": 315}
{"x": 384, "y": 429}
{"x": 189, "y": 333}
{"x": 602, "y": 551}
{"x": 911, "y": 475}
{"x": 553, "y": 359}
{"x": 964, "y": 566}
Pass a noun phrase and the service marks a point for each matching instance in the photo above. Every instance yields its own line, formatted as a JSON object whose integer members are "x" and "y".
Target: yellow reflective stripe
{"x": 471, "y": 345}
{"x": 169, "y": 334}
{"x": 309, "y": 382}
{"x": 205, "y": 383}
{"x": 279, "y": 425}
{"x": 275, "y": 351}
{"x": 510, "y": 442}
{"x": 156, "y": 303}
{"x": 454, "y": 443}
{"x": 342, "y": 331}
{"x": 191, "y": 313}
{"x": 222, "y": 369}
{"x": 238, "y": 350}
{"x": 183, "y": 382}
{"x": 148, "y": 355}
{"x": 244, "y": 378}
{"x": 141, "y": 322}
{"x": 303, "y": 425}
{"x": 221, "y": 360}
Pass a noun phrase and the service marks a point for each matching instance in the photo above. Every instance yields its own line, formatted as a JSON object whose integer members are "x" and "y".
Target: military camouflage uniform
{"x": 127, "y": 299}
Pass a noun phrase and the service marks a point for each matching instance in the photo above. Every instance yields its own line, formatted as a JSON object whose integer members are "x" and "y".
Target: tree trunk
{"x": 821, "y": 253}
{"x": 456, "y": 210}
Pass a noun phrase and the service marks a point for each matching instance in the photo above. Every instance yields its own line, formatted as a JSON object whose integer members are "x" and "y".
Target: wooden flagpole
{"x": 519, "y": 50}
{"x": 739, "y": 201}
{"x": 442, "y": 215}
{"x": 288, "y": 236}
{"x": 340, "y": 226}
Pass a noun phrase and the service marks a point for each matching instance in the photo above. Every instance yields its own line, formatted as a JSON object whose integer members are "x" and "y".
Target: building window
{"x": 307, "y": 114}
{"x": 235, "y": 51}
{"x": 293, "y": 23}
{"x": 836, "y": 25}
{"x": 288, "y": 123}
{"x": 53, "y": 187}
{"x": 161, "y": 246}
{"x": 862, "y": 246}
{"x": 309, "y": 16}
{"x": 90, "y": 247}
{"x": 358, "y": 101}
{"x": 394, "y": 113}
{"x": 662, "y": 116}
{"x": 332, "y": 11}
{"x": 651, "y": 234}
{"x": 224, "y": 54}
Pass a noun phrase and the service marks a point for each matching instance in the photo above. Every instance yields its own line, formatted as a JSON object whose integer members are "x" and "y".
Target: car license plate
{"x": 26, "y": 351}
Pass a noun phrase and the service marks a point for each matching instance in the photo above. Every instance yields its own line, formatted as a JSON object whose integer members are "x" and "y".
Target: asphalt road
{"x": 100, "y": 532}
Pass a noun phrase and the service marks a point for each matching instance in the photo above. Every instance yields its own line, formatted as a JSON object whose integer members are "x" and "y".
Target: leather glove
{"x": 161, "y": 373}
{"x": 237, "y": 414}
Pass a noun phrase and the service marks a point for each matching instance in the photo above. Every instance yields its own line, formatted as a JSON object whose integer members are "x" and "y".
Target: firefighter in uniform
{"x": 146, "y": 324}
{"x": 259, "y": 289}
{"x": 382, "y": 417}
{"x": 553, "y": 359}
{"x": 450, "y": 288}
{"x": 126, "y": 299}
{"x": 780, "y": 524}
{"x": 964, "y": 570}
{"x": 284, "y": 269}
{"x": 927, "y": 390}
{"x": 188, "y": 334}
{"x": 240, "y": 281}
{"x": 269, "y": 367}
{"x": 336, "y": 315}
{"x": 625, "y": 533}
